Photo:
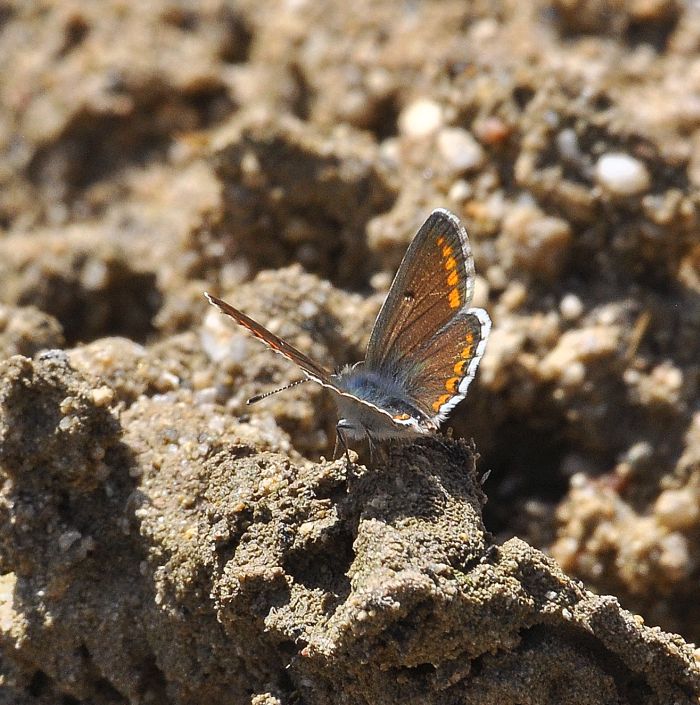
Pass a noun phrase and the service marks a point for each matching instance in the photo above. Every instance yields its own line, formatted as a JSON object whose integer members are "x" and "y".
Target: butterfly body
{"x": 377, "y": 405}
{"x": 423, "y": 350}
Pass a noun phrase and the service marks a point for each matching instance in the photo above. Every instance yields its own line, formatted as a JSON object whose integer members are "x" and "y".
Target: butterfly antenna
{"x": 258, "y": 397}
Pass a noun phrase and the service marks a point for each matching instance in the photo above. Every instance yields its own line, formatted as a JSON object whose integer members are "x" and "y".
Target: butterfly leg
{"x": 341, "y": 440}
{"x": 375, "y": 448}
{"x": 370, "y": 446}
{"x": 337, "y": 445}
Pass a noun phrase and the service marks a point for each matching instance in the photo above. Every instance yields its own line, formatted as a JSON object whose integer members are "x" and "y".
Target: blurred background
{"x": 283, "y": 153}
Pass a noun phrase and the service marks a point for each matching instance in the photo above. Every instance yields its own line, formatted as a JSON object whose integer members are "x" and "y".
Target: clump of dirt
{"x": 296, "y": 194}
{"x": 89, "y": 286}
{"x": 27, "y": 331}
{"x": 186, "y": 556}
{"x": 165, "y": 542}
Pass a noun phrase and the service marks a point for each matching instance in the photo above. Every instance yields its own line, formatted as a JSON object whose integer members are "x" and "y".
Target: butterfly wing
{"x": 445, "y": 365}
{"x": 434, "y": 281}
{"x": 311, "y": 369}
{"x": 426, "y": 337}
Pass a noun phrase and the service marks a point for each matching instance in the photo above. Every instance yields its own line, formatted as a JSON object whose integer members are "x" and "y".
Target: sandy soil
{"x": 161, "y": 541}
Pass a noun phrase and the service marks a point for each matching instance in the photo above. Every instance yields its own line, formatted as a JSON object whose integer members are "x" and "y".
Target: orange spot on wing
{"x": 450, "y": 263}
{"x": 454, "y": 298}
{"x": 459, "y": 367}
{"x": 467, "y": 352}
{"x": 439, "y": 402}
{"x": 453, "y": 278}
{"x": 402, "y": 417}
{"x": 451, "y": 384}
{"x": 441, "y": 241}
{"x": 447, "y": 251}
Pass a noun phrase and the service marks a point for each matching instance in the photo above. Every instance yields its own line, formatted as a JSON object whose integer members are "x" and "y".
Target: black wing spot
{"x": 409, "y": 295}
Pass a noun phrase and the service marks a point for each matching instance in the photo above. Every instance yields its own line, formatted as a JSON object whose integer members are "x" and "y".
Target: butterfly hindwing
{"x": 444, "y": 366}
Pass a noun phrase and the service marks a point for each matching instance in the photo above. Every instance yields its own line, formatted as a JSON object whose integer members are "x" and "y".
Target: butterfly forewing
{"x": 312, "y": 369}
{"x": 434, "y": 282}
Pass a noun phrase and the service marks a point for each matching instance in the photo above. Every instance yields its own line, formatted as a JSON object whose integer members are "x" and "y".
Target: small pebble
{"x": 638, "y": 453}
{"x": 95, "y": 275}
{"x": 663, "y": 386}
{"x": 389, "y": 152}
{"x": 534, "y": 242}
{"x": 380, "y": 281}
{"x": 668, "y": 381}
{"x": 571, "y": 307}
{"x": 573, "y": 375}
{"x": 460, "y": 191}
{"x": 514, "y": 296}
{"x": 459, "y": 150}
{"x": 66, "y": 423}
{"x": 67, "y": 405}
{"x": 568, "y": 146}
{"x": 677, "y": 509}
{"x": 496, "y": 277}
{"x": 492, "y": 130}
{"x": 674, "y": 557}
{"x": 621, "y": 174}
{"x": 308, "y": 309}
{"x": 102, "y": 396}
{"x": 167, "y": 381}
{"x": 421, "y": 118}
{"x": 202, "y": 379}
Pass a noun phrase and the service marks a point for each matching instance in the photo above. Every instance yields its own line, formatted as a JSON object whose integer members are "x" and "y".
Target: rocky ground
{"x": 164, "y": 543}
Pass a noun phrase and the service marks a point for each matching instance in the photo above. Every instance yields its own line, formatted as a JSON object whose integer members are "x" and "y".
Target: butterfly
{"x": 424, "y": 348}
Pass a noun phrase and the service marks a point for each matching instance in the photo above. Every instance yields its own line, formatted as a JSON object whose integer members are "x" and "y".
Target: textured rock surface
{"x": 173, "y": 557}
{"x": 161, "y": 540}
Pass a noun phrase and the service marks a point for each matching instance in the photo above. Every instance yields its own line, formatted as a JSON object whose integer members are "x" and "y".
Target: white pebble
{"x": 677, "y": 509}
{"x": 621, "y": 174}
{"x": 573, "y": 375}
{"x": 675, "y": 557}
{"x": 308, "y": 309}
{"x": 571, "y": 307}
{"x": 101, "y": 396}
{"x": 639, "y": 453}
{"x": 460, "y": 191}
{"x": 390, "y": 151}
{"x": 459, "y": 149}
{"x": 421, "y": 118}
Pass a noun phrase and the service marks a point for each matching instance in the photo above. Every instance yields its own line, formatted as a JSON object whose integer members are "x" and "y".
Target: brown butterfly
{"x": 423, "y": 351}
